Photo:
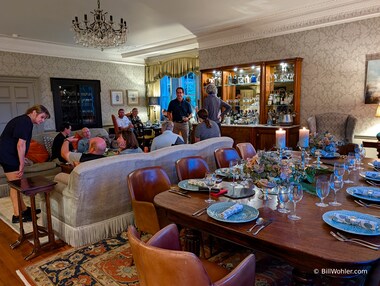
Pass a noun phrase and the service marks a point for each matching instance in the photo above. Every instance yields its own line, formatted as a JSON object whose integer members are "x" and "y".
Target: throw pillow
{"x": 37, "y": 152}
{"x": 48, "y": 141}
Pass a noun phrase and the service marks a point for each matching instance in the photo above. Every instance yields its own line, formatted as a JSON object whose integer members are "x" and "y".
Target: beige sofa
{"x": 93, "y": 202}
{"x": 46, "y": 169}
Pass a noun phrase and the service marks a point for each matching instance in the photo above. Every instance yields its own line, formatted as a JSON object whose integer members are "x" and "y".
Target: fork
{"x": 357, "y": 239}
{"x": 367, "y": 205}
{"x": 372, "y": 183}
{"x": 353, "y": 241}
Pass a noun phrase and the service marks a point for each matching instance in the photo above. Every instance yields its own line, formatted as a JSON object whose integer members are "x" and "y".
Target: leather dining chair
{"x": 160, "y": 261}
{"x": 223, "y": 156}
{"x": 192, "y": 167}
{"x": 143, "y": 185}
{"x": 246, "y": 150}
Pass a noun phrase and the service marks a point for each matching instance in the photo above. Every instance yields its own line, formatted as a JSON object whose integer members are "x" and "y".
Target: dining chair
{"x": 143, "y": 185}
{"x": 160, "y": 261}
{"x": 246, "y": 150}
{"x": 192, "y": 167}
{"x": 223, "y": 156}
{"x": 115, "y": 125}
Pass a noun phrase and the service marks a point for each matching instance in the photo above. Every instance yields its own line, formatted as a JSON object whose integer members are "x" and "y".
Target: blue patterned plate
{"x": 371, "y": 178}
{"x": 188, "y": 187}
{"x": 327, "y": 218}
{"x": 326, "y": 155}
{"x": 351, "y": 191}
{"x": 224, "y": 172}
{"x": 247, "y": 214}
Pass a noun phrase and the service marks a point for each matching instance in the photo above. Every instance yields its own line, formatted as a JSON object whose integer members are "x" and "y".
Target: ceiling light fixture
{"x": 100, "y": 33}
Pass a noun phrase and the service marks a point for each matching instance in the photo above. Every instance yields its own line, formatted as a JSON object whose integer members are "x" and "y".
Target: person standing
{"x": 216, "y": 107}
{"x": 14, "y": 145}
{"x": 179, "y": 111}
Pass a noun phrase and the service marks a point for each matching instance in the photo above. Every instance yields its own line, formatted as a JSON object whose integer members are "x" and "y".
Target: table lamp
{"x": 378, "y": 115}
{"x": 154, "y": 101}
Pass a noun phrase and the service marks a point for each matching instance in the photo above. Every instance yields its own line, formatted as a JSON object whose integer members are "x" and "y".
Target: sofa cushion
{"x": 40, "y": 167}
{"x": 37, "y": 152}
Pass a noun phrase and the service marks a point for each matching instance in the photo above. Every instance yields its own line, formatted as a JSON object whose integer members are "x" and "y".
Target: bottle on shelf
{"x": 253, "y": 78}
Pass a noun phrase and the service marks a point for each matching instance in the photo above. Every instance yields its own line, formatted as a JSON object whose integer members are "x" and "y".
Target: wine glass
{"x": 210, "y": 180}
{"x": 288, "y": 152}
{"x": 283, "y": 198}
{"x": 234, "y": 170}
{"x": 318, "y": 154}
{"x": 349, "y": 166}
{"x": 323, "y": 189}
{"x": 295, "y": 195}
{"x": 339, "y": 169}
{"x": 336, "y": 183}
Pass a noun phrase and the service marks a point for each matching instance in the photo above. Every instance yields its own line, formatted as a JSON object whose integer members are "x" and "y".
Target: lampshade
{"x": 378, "y": 111}
{"x": 153, "y": 100}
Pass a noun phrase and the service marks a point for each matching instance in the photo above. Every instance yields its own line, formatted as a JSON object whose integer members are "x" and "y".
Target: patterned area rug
{"x": 109, "y": 262}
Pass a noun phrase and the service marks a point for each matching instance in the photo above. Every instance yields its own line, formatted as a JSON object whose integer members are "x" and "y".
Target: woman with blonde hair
{"x": 206, "y": 128}
{"x": 128, "y": 143}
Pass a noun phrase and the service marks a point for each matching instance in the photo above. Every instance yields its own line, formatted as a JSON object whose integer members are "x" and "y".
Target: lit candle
{"x": 304, "y": 138}
{"x": 280, "y": 139}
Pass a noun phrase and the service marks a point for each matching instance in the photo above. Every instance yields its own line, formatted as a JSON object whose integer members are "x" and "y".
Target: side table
{"x": 370, "y": 144}
{"x": 67, "y": 168}
{"x": 30, "y": 187}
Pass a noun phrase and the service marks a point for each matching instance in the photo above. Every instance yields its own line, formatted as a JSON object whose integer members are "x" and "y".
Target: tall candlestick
{"x": 304, "y": 138}
{"x": 280, "y": 139}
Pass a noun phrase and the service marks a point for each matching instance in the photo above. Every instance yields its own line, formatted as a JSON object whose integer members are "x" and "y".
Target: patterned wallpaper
{"x": 333, "y": 69}
{"x": 111, "y": 76}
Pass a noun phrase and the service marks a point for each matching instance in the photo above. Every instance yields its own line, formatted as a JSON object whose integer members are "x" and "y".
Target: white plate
{"x": 327, "y": 218}
{"x": 351, "y": 191}
{"x": 247, "y": 214}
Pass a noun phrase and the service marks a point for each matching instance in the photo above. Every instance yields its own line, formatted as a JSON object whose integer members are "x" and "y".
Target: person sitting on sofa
{"x": 84, "y": 143}
{"x": 65, "y": 130}
{"x": 207, "y": 128}
{"x": 96, "y": 150}
{"x": 167, "y": 138}
{"x": 128, "y": 143}
{"x": 14, "y": 144}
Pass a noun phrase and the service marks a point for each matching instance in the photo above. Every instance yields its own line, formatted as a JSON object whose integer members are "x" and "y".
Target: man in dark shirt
{"x": 65, "y": 130}
{"x": 179, "y": 111}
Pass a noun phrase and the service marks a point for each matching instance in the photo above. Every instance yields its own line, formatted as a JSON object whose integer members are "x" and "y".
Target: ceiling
{"x": 161, "y": 27}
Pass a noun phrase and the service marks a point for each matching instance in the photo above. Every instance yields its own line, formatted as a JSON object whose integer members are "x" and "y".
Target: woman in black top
{"x": 14, "y": 144}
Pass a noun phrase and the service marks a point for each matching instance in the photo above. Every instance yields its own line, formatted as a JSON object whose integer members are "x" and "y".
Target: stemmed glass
{"x": 318, "y": 154}
{"x": 360, "y": 155}
{"x": 283, "y": 198}
{"x": 288, "y": 152}
{"x": 295, "y": 195}
{"x": 210, "y": 180}
{"x": 233, "y": 170}
{"x": 323, "y": 189}
{"x": 339, "y": 169}
{"x": 349, "y": 166}
{"x": 336, "y": 183}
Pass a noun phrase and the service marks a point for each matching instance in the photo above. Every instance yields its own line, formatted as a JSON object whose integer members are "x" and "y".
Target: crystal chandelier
{"x": 100, "y": 33}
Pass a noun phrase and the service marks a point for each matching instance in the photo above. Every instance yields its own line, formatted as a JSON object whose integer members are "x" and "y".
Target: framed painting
{"x": 372, "y": 79}
{"x": 133, "y": 97}
{"x": 117, "y": 97}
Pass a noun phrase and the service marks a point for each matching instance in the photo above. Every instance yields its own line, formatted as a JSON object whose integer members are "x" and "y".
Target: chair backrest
{"x": 223, "y": 156}
{"x": 115, "y": 125}
{"x": 246, "y": 150}
{"x": 157, "y": 264}
{"x": 191, "y": 168}
{"x": 143, "y": 185}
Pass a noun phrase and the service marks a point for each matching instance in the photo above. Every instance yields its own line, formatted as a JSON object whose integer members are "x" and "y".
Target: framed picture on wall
{"x": 372, "y": 79}
{"x": 133, "y": 97}
{"x": 117, "y": 97}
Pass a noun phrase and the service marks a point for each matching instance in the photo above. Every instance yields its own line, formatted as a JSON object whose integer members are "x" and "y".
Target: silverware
{"x": 179, "y": 193}
{"x": 353, "y": 241}
{"x": 200, "y": 211}
{"x": 367, "y": 205}
{"x": 372, "y": 183}
{"x": 259, "y": 221}
{"x": 268, "y": 222}
{"x": 358, "y": 239}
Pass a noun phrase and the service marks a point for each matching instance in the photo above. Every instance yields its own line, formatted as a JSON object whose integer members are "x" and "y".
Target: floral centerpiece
{"x": 323, "y": 141}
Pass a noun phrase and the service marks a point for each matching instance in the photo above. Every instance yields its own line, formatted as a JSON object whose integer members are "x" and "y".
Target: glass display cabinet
{"x": 76, "y": 101}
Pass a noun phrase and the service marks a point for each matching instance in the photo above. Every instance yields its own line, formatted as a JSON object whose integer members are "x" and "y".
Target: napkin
{"x": 372, "y": 175}
{"x": 221, "y": 192}
{"x": 234, "y": 209}
{"x": 352, "y": 220}
{"x": 376, "y": 164}
{"x": 367, "y": 193}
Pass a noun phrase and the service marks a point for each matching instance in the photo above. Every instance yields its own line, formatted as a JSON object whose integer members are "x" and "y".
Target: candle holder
{"x": 281, "y": 152}
{"x": 303, "y": 157}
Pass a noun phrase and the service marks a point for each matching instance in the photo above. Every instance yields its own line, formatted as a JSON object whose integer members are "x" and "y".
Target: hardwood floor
{"x": 13, "y": 259}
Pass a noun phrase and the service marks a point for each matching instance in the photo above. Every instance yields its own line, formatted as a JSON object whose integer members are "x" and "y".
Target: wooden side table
{"x": 67, "y": 168}
{"x": 370, "y": 144}
{"x": 30, "y": 187}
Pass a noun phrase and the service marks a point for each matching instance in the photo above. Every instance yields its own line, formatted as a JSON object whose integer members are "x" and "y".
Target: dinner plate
{"x": 369, "y": 178}
{"x": 247, "y": 214}
{"x": 327, "y": 218}
{"x": 351, "y": 191}
{"x": 193, "y": 188}
{"x": 224, "y": 172}
{"x": 330, "y": 155}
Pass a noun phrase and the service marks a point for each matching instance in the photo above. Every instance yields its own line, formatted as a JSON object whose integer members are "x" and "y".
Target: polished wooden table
{"x": 305, "y": 244}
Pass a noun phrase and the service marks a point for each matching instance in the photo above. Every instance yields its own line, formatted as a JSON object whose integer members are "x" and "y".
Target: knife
{"x": 179, "y": 193}
{"x": 264, "y": 225}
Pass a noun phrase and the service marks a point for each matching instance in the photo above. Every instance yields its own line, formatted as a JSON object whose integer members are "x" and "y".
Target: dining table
{"x": 305, "y": 244}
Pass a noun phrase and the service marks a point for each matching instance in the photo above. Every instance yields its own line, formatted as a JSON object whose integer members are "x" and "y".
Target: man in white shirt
{"x": 167, "y": 138}
{"x": 123, "y": 121}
